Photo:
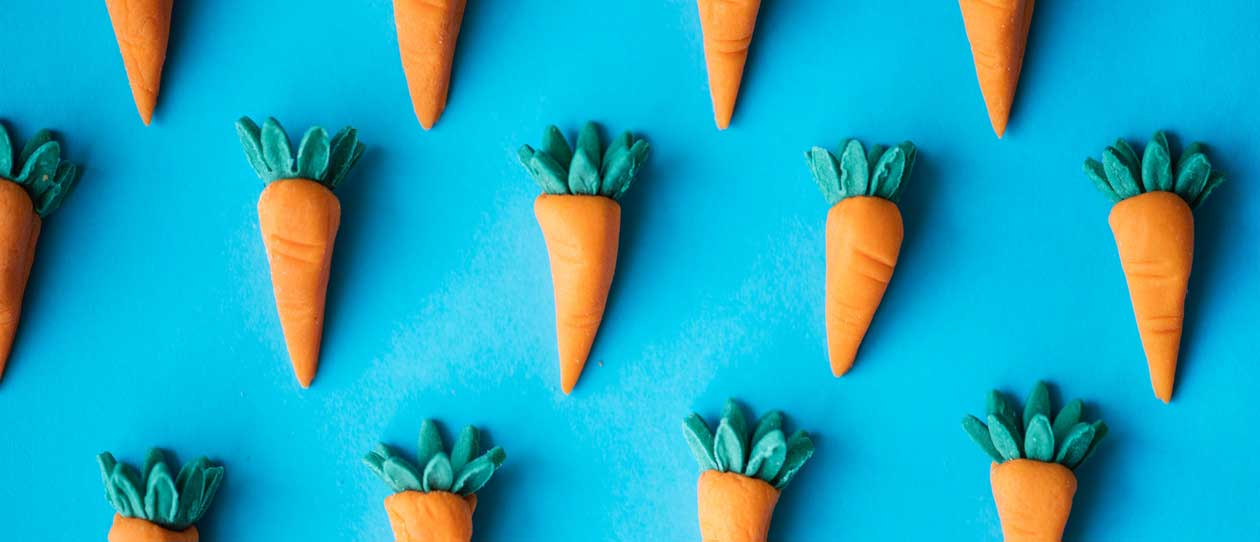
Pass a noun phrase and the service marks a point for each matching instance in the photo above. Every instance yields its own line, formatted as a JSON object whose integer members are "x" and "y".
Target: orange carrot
{"x": 581, "y": 220}
{"x": 415, "y": 516}
{"x": 32, "y": 185}
{"x": 299, "y": 217}
{"x": 142, "y": 28}
{"x": 864, "y": 234}
{"x": 728, "y": 29}
{"x": 1033, "y": 499}
{"x": 1154, "y": 230}
{"x": 125, "y": 529}
{"x": 734, "y": 507}
{"x": 427, "y": 32}
{"x": 998, "y": 32}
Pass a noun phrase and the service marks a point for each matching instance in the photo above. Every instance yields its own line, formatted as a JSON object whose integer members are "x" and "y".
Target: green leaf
{"x": 107, "y": 464}
{"x": 276, "y": 150}
{"x": 154, "y": 458}
{"x": 41, "y": 138}
{"x": 1097, "y": 173}
{"x": 554, "y": 144}
{"x": 346, "y": 151}
{"x": 1074, "y": 446}
{"x": 1120, "y": 173}
{"x": 548, "y": 174}
{"x": 251, "y": 141}
{"x": 886, "y": 177}
{"x": 700, "y": 440}
{"x": 1192, "y": 176}
{"x": 51, "y": 199}
{"x": 769, "y": 422}
{"x": 1039, "y": 439}
{"x": 826, "y": 173}
{"x": 466, "y": 447}
{"x": 161, "y": 501}
{"x": 767, "y": 456}
{"x": 374, "y": 461}
{"x": 979, "y": 434}
{"x": 854, "y": 171}
{"x": 997, "y": 404}
{"x": 214, "y": 478}
{"x": 1214, "y": 180}
{"x": 1130, "y": 159}
{"x": 728, "y": 448}
{"x": 1100, "y": 431}
{"x": 1005, "y": 437}
{"x": 588, "y": 143}
{"x": 402, "y": 474}
{"x": 799, "y": 449}
{"x": 6, "y": 154}
{"x": 313, "y": 152}
{"x": 438, "y": 474}
{"x": 875, "y": 153}
{"x": 733, "y": 414}
{"x": 621, "y": 177}
{"x": 1157, "y": 164}
{"x": 911, "y": 156}
{"x": 1068, "y": 417}
{"x": 478, "y": 471}
{"x": 430, "y": 443}
{"x": 618, "y": 148}
{"x": 1038, "y": 403}
{"x": 195, "y": 466}
{"x": 127, "y": 485}
{"x": 584, "y": 174}
{"x": 38, "y": 171}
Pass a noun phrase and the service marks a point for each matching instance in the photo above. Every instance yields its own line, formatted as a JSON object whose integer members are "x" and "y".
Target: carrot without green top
{"x": 299, "y": 217}
{"x": 142, "y": 28}
{"x": 998, "y": 32}
{"x": 728, "y": 29}
{"x": 427, "y": 32}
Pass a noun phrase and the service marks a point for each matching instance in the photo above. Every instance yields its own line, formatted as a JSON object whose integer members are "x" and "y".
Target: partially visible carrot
{"x": 155, "y": 504}
{"x": 998, "y": 32}
{"x": 299, "y": 217}
{"x": 734, "y": 507}
{"x": 1034, "y": 499}
{"x": 728, "y": 29}
{"x": 125, "y": 529}
{"x": 427, "y": 32}
{"x": 142, "y": 28}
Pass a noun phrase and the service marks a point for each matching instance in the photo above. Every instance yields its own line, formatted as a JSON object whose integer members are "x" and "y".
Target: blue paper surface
{"x": 149, "y": 319}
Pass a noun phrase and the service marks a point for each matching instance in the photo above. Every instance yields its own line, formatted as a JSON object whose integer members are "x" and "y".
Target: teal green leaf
{"x": 826, "y": 172}
{"x": 1157, "y": 164}
{"x": 478, "y": 471}
{"x": 767, "y": 456}
{"x": 430, "y": 443}
{"x": 373, "y": 460}
{"x": 466, "y": 447}
{"x": 728, "y": 448}
{"x": 886, "y": 177}
{"x": 588, "y": 144}
{"x": 127, "y": 485}
{"x": 979, "y": 434}
{"x": 554, "y": 144}
{"x": 997, "y": 404}
{"x": 1074, "y": 446}
{"x": 617, "y": 149}
{"x": 251, "y": 141}
{"x": 402, "y": 475}
{"x": 107, "y": 464}
{"x": 6, "y": 154}
{"x": 154, "y": 458}
{"x": 1068, "y": 417}
{"x": 39, "y": 169}
{"x": 799, "y": 449}
{"x": 1039, "y": 439}
{"x": 41, "y": 138}
{"x": 1214, "y": 180}
{"x": 1100, "y": 431}
{"x": 1120, "y": 174}
{"x": 195, "y": 466}
{"x": 769, "y": 422}
{"x": 875, "y": 153}
{"x": 584, "y": 174}
{"x": 161, "y": 502}
{"x": 276, "y": 150}
{"x": 1038, "y": 403}
{"x": 1192, "y": 176}
{"x": 733, "y": 414}
{"x": 313, "y": 153}
{"x": 1097, "y": 173}
{"x": 346, "y": 151}
{"x": 911, "y": 154}
{"x": 1130, "y": 159}
{"x": 700, "y": 440}
{"x": 1005, "y": 437}
{"x": 214, "y": 478}
{"x": 191, "y": 495}
{"x": 549, "y": 175}
{"x": 854, "y": 178}
{"x": 621, "y": 177}
{"x": 438, "y": 474}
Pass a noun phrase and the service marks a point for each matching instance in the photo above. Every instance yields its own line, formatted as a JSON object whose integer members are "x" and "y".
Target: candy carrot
{"x": 744, "y": 469}
{"x": 427, "y": 32}
{"x": 299, "y": 216}
{"x": 728, "y": 29}
{"x": 998, "y": 32}
{"x": 32, "y": 185}
{"x": 1033, "y": 458}
{"x": 150, "y": 505}
{"x": 142, "y": 28}
{"x": 435, "y": 500}
{"x": 581, "y": 221}
{"x": 1154, "y": 232}
{"x": 864, "y": 233}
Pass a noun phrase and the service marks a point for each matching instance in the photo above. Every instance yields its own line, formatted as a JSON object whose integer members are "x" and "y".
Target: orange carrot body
{"x": 436, "y": 516}
{"x": 127, "y": 529}
{"x": 734, "y": 508}
{"x": 728, "y": 29}
{"x": 19, "y": 231}
{"x": 142, "y": 28}
{"x": 427, "y": 32}
{"x": 1155, "y": 237}
{"x": 1033, "y": 499}
{"x": 299, "y": 220}
{"x": 998, "y": 32}
{"x": 864, "y": 236}
{"x": 582, "y": 233}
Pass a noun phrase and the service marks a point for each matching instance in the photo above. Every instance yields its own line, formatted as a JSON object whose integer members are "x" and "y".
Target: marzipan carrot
{"x": 998, "y": 32}
{"x": 1154, "y": 231}
{"x": 142, "y": 28}
{"x": 728, "y": 29}
{"x": 32, "y": 185}
{"x": 154, "y": 506}
{"x": 864, "y": 234}
{"x": 435, "y": 497}
{"x": 581, "y": 220}
{"x": 744, "y": 469}
{"x": 1033, "y": 458}
{"x": 299, "y": 216}
{"x": 427, "y": 32}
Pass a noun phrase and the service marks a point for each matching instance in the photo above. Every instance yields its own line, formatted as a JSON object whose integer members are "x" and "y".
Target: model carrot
{"x": 142, "y": 28}
{"x": 1033, "y": 458}
{"x": 744, "y": 469}
{"x": 151, "y": 505}
{"x": 299, "y": 216}
{"x": 728, "y": 29}
{"x": 435, "y": 497}
{"x": 581, "y": 221}
{"x": 1154, "y": 232}
{"x": 864, "y": 234}
{"x": 998, "y": 32}
{"x": 427, "y": 32}
{"x": 32, "y": 185}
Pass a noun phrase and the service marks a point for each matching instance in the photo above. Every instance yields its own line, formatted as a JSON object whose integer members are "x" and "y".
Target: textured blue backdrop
{"x": 149, "y": 318}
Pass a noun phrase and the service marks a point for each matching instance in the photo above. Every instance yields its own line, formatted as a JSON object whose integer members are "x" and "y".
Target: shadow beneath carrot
{"x": 795, "y": 507}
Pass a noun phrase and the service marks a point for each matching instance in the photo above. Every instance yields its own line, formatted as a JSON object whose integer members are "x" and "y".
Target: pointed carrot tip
{"x": 568, "y": 381}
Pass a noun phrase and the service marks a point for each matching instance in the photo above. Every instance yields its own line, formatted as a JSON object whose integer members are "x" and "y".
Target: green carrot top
{"x": 881, "y": 172}
{"x": 152, "y": 495}
{"x": 1066, "y": 440}
{"x": 1122, "y": 175}
{"x": 762, "y": 452}
{"x": 463, "y": 470}
{"x": 587, "y": 170}
{"x": 39, "y": 169}
{"x": 319, "y": 159}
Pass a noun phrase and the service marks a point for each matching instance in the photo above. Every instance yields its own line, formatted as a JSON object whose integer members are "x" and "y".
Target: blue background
{"x": 150, "y": 321}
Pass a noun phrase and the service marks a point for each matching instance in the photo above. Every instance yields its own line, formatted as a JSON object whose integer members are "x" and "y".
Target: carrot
{"x": 32, "y": 185}
{"x": 998, "y": 32}
{"x": 436, "y": 500}
{"x": 744, "y": 470}
{"x": 1033, "y": 455}
{"x": 142, "y": 28}
{"x": 153, "y": 506}
{"x": 1154, "y": 230}
{"x": 864, "y": 234}
{"x": 581, "y": 220}
{"x": 427, "y": 32}
{"x": 299, "y": 216}
{"x": 727, "y": 26}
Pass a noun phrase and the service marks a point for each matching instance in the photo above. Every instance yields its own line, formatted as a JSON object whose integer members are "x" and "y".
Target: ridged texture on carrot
{"x": 427, "y": 32}
{"x": 126, "y": 529}
{"x": 728, "y": 30}
{"x": 142, "y": 28}
{"x": 1033, "y": 499}
{"x": 864, "y": 237}
{"x": 19, "y": 232}
{"x": 430, "y": 517}
{"x": 998, "y": 32}
{"x": 734, "y": 507}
